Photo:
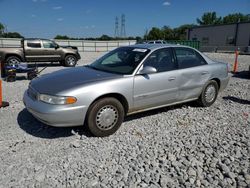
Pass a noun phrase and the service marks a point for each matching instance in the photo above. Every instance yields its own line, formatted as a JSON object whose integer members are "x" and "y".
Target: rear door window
{"x": 158, "y": 42}
{"x": 34, "y": 44}
{"x": 187, "y": 58}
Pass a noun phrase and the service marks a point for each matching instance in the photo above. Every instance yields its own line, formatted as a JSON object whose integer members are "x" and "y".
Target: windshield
{"x": 122, "y": 60}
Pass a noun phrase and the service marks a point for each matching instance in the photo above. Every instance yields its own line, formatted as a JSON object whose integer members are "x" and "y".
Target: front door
{"x": 158, "y": 88}
{"x": 50, "y": 52}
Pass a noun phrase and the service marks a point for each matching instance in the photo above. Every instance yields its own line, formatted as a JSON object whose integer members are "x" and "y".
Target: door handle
{"x": 171, "y": 78}
{"x": 205, "y": 72}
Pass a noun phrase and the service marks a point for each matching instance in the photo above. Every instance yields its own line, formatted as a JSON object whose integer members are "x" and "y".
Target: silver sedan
{"x": 126, "y": 80}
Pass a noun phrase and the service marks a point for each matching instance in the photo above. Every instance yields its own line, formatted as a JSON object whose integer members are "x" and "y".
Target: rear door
{"x": 158, "y": 88}
{"x": 33, "y": 50}
{"x": 194, "y": 72}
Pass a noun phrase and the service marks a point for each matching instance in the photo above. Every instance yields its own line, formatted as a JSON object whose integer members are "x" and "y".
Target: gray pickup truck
{"x": 40, "y": 50}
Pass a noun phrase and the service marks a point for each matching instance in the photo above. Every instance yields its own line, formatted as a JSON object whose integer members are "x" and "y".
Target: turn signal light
{"x": 71, "y": 100}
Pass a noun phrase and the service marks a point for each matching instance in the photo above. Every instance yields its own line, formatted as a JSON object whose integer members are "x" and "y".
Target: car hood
{"x": 66, "y": 79}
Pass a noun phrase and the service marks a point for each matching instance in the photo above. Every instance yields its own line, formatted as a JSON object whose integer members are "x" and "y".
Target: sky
{"x": 92, "y": 18}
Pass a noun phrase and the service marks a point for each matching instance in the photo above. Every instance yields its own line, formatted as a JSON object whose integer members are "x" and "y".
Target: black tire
{"x": 31, "y": 75}
{"x": 12, "y": 61}
{"x": 70, "y": 61}
{"x": 11, "y": 76}
{"x": 114, "y": 117}
{"x": 209, "y": 94}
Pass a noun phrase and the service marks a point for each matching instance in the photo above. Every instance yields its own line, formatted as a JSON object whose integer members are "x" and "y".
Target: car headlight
{"x": 57, "y": 99}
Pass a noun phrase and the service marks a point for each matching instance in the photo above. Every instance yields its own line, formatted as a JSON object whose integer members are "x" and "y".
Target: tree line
{"x": 155, "y": 33}
{"x": 102, "y": 38}
{"x": 4, "y": 34}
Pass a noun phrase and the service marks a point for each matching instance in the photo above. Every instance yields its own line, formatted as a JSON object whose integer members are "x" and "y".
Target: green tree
{"x": 130, "y": 38}
{"x": 167, "y": 32}
{"x": 138, "y": 39}
{"x": 209, "y": 18}
{"x": 62, "y": 37}
{"x": 180, "y": 33}
{"x": 155, "y": 34}
{"x": 236, "y": 17}
{"x": 105, "y": 37}
{"x": 1, "y": 29}
{"x": 12, "y": 35}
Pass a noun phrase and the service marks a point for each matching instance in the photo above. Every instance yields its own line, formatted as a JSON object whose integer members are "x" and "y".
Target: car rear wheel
{"x": 12, "y": 61}
{"x": 209, "y": 94}
{"x": 70, "y": 61}
{"x": 105, "y": 116}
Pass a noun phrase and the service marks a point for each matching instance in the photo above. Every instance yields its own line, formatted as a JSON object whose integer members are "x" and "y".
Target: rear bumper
{"x": 55, "y": 115}
{"x": 224, "y": 83}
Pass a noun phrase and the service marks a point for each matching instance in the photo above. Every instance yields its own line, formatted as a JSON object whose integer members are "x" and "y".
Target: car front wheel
{"x": 105, "y": 116}
{"x": 209, "y": 94}
{"x": 70, "y": 61}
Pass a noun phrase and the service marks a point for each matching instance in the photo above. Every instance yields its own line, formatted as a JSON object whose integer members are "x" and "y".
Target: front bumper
{"x": 78, "y": 56}
{"x": 55, "y": 115}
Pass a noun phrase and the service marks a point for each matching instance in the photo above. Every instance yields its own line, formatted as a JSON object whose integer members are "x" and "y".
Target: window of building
{"x": 230, "y": 40}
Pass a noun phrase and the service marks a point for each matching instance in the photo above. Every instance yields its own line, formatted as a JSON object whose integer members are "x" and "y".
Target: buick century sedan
{"x": 126, "y": 80}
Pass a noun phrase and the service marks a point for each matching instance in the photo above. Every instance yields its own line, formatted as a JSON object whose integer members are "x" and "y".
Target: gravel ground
{"x": 179, "y": 146}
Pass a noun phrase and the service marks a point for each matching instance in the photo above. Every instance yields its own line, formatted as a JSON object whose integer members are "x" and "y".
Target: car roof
{"x": 156, "y": 46}
{"x": 36, "y": 39}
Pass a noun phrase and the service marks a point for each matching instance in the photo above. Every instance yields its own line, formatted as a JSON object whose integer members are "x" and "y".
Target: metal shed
{"x": 224, "y": 37}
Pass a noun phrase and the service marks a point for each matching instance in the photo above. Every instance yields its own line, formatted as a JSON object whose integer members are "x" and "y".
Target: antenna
{"x": 123, "y": 29}
{"x": 116, "y": 27}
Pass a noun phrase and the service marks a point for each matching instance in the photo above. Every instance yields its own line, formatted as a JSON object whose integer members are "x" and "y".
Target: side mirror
{"x": 57, "y": 46}
{"x": 147, "y": 70}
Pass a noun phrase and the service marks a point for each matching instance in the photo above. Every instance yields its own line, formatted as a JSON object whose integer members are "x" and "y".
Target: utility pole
{"x": 123, "y": 27}
{"x": 116, "y": 27}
